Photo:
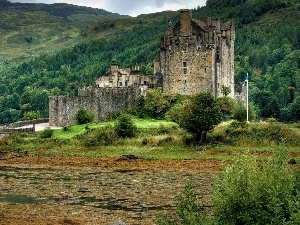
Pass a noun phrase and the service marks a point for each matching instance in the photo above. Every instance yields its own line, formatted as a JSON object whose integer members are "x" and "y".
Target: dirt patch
{"x": 76, "y": 190}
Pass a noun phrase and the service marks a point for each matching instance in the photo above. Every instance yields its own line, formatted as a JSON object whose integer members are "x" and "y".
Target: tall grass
{"x": 255, "y": 134}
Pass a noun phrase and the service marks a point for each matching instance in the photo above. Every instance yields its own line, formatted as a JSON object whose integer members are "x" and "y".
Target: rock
{"x": 119, "y": 222}
{"x": 292, "y": 161}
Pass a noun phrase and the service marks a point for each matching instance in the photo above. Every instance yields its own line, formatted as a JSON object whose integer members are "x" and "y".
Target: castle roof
{"x": 200, "y": 23}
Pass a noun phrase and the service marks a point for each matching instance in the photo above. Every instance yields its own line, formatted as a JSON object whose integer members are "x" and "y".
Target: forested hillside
{"x": 267, "y": 47}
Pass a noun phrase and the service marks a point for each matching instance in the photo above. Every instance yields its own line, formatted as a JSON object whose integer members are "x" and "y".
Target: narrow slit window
{"x": 185, "y": 68}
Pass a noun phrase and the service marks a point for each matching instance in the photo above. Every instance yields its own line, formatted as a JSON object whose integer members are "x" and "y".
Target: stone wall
{"x": 29, "y": 130}
{"x": 102, "y": 102}
{"x": 27, "y": 122}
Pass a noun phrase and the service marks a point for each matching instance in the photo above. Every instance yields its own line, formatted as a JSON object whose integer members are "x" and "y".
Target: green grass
{"x": 160, "y": 139}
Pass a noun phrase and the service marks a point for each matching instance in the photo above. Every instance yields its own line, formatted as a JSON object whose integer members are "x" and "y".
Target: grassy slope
{"x": 32, "y": 29}
{"x": 33, "y": 33}
{"x": 164, "y": 141}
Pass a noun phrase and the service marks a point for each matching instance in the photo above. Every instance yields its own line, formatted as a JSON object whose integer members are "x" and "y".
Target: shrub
{"x": 125, "y": 127}
{"x": 99, "y": 137}
{"x": 84, "y": 116}
{"x": 188, "y": 210}
{"x": 260, "y": 133}
{"x": 239, "y": 111}
{"x": 46, "y": 133}
{"x": 252, "y": 192}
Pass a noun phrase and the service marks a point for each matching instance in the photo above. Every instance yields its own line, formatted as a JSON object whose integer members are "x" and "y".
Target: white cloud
{"x": 132, "y": 7}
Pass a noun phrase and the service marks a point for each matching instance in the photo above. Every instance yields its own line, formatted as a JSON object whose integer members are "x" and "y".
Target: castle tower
{"x": 196, "y": 56}
{"x": 185, "y": 22}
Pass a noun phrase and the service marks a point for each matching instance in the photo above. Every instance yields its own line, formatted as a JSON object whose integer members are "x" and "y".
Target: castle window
{"x": 120, "y": 84}
{"x": 126, "y": 83}
{"x": 184, "y": 67}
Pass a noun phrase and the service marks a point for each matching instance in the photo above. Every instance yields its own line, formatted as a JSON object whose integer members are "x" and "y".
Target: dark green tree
{"x": 125, "y": 127}
{"x": 200, "y": 114}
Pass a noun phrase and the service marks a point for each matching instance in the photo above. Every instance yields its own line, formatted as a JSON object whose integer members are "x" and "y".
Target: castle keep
{"x": 196, "y": 56}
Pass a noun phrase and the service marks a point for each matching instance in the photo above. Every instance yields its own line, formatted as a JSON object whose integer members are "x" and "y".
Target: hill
{"x": 267, "y": 47}
{"x": 29, "y": 29}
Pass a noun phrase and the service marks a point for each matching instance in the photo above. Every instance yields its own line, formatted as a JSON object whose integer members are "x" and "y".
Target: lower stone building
{"x": 102, "y": 102}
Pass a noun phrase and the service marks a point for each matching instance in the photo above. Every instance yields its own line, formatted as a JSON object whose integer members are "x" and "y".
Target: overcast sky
{"x": 129, "y": 7}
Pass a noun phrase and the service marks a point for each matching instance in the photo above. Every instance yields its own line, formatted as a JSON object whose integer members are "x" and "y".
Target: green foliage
{"x": 31, "y": 115}
{"x": 225, "y": 90}
{"x": 253, "y": 134}
{"x": 252, "y": 192}
{"x": 239, "y": 111}
{"x": 46, "y": 133}
{"x": 200, "y": 114}
{"x": 125, "y": 127}
{"x": 291, "y": 112}
{"x": 188, "y": 210}
{"x": 156, "y": 103}
{"x": 98, "y": 136}
{"x": 226, "y": 106}
{"x": 84, "y": 116}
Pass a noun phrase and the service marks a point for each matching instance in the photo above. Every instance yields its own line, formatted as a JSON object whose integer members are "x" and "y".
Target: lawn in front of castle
{"x": 159, "y": 139}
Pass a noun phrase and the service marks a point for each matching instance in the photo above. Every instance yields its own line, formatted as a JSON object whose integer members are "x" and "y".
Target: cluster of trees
{"x": 268, "y": 49}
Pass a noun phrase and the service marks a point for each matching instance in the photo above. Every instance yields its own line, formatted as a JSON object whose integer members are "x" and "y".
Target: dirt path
{"x": 71, "y": 190}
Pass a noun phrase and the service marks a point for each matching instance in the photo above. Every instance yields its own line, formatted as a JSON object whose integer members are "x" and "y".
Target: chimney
{"x": 185, "y": 22}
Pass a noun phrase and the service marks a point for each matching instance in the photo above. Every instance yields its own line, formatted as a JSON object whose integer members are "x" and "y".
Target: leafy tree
{"x": 156, "y": 103}
{"x": 125, "y": 127}
{"x": 291, "y": 112}
{"x": 84, "y": 116}
{"x": 200, "y": 114}
{"x": 268, "y": 104}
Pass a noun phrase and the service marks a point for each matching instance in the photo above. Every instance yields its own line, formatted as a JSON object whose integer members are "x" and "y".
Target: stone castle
{"x": 194, "y": 56}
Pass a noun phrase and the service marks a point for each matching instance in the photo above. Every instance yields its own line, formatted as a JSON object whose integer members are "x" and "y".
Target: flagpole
{"x": 247, "y": 101}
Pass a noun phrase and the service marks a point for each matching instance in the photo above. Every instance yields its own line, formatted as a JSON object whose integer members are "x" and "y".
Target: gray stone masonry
{"x": 102, "y": 102}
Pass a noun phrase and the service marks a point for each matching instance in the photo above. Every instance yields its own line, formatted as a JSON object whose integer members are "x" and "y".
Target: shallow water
{"x": 129, "y": 191}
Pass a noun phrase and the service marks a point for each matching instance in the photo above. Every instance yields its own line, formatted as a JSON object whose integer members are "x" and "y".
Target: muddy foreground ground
{"x": 70, "y": 190}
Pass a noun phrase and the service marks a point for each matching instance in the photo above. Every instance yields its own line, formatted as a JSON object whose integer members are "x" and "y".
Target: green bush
{"x": 125, "y": 127}
{"x": 84, "y": 116}
{"x": 252, "y": 192}
{"x": 239, "y": 111}
{"x": 260, "y": 133}
{"x": 46, "y": 133}
{"x": 98, "y": 136}
{"x": 188, "y": 210}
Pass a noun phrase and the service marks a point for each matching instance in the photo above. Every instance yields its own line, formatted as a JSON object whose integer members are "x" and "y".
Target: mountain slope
{"x": 29, "y": 29}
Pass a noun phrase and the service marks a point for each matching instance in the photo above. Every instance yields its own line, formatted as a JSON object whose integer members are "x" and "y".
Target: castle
{"x": 194, "y": 56}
